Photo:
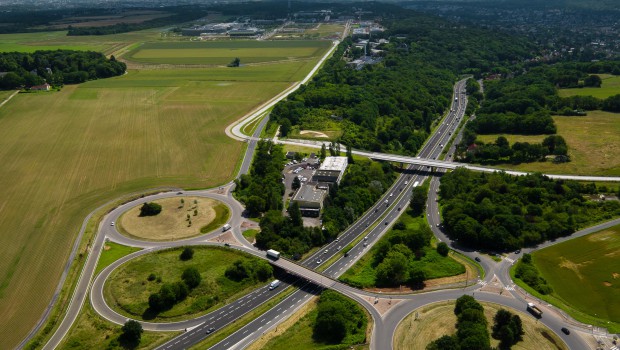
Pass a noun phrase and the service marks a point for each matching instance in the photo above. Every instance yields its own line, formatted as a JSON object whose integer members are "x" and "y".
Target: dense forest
{"x": 503, "y": 212}
{"x": 501, "y": 151}
{"x": 55, "y": 67}
{"x": 391, "y": 105}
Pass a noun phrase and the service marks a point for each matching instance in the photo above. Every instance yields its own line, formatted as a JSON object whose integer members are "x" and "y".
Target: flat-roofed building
{"x": 310, "y": 199}
{"x": 331, "y": 170}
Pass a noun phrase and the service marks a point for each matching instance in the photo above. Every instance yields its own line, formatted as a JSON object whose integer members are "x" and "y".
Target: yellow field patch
{"x": 173, "y": 222}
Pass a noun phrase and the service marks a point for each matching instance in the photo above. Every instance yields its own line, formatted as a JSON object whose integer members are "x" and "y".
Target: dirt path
{"x": 9, "y": 98}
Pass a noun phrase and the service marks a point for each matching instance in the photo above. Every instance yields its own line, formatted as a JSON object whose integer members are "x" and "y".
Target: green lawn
{"x": 68, "y": 152}
{"x": 436, "y": 266}
{"x": 223, "y": 52}
{"x": 585, "y": 273}
{"x": 609, "y": 87}
{"x": 127, "y": 289}
{"x": 112, "y": 252}
{"x": 593, "y": 145}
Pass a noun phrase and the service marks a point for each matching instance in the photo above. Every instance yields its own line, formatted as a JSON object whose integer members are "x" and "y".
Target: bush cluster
{"x": 339, "y": 320}
{"x": 471, "y": 328}
{"x": 171, "y": 293}
{"x": 255, "y": 270}
{"x": 528, "y": 273}
{"x": 150, "y": 209}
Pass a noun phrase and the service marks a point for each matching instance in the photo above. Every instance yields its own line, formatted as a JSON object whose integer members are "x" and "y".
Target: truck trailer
{"x": 273, "y": 254}
{"x": 534, "y": 310}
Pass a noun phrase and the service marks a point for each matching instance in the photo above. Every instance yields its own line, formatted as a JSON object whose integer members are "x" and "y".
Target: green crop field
{"x": 223, "y": 52}
{"x": 609, "y": 87}
{"x": 65, "y": 153}
{"x": 593, "y": 145}
{"x": 585, "y": 273}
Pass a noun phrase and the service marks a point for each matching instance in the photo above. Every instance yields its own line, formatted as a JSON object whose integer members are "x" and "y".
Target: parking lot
{"x": 304, "y": 171}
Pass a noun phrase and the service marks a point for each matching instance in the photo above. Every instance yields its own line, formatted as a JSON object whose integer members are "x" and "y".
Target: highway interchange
{"x": 372, "y": 225}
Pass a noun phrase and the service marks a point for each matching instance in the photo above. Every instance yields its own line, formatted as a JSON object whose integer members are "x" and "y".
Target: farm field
{"x": 438, "y": 319}
{"x": 591, "y": 262}
{"x": 223, "y": 52}
{"x": 593, "y": 145}
{"x": 30, "y": 42}
{"x": 610, "y": 86}
{"x": 127, "y": 289}
{"x": 68, "y": 152}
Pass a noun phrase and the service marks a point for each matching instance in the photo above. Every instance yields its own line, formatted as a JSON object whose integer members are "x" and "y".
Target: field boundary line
{"x": 9, "y": 98}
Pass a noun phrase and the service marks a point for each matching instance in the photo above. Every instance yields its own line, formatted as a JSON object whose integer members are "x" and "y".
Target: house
{"x": 43, "y": 87}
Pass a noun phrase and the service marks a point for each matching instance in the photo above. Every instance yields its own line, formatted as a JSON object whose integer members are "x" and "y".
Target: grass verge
{"x": 112, "y": 252}
{"x": 222, "y": 215}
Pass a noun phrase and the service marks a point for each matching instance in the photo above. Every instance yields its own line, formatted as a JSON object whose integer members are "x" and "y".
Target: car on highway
{"x": 325, "y": 252}
{"x": 366, "y": 238}
{"x": 365, "y": 244}
{"x": 210, "y": 330}
{"x": 319, "y": 261}
{"x": 477, "y": 259}
{"x": 565, "y": 330}
{"x": 179, "y": 192}
{"x": 112, "y": 223}
{"x": 387, "y": 222}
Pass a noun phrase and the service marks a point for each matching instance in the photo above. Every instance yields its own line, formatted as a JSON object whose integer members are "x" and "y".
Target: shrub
{"x": 150, "y": 209}
{"x": 187, "y": 254}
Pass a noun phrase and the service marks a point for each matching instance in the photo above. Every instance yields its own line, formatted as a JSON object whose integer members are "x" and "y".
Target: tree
{"x": 350, "y": 155}
{"x": 507, "y": 328}
{"x": 323, "y": 152}
{"x": 131, "y": 334}
{"x": 187, "y": 254}
{"x": 296, "y": 183}
{"x": 285, "y": 127}
{"x": 295, "y": 214}
{"x": 150, "y": 209}
{"x": 235, "y": 62}
{"x": 418, "y": 200}
{"x": 255, "y": 205}
{"x": 191, "y": 277}
{"x": 444, "y": 343}
{"x": 443, "y": 249}
{"x": 592, "y": 81}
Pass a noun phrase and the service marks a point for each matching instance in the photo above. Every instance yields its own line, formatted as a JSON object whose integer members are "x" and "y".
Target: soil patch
{"x": 313, "y": 133}
{"x": 172, "y": 223}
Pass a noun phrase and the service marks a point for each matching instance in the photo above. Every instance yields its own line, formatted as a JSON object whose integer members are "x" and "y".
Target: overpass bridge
{"x": 444, "y": 164}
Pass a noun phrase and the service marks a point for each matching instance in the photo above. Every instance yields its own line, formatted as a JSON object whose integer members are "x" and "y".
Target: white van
{"x": 225, "y": 228}
{"x": 273, "y": 285}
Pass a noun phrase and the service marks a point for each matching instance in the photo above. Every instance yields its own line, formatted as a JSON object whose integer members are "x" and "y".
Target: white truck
{"x": 273, "y": 285}
{"x": 225, "y": 228}
{"x": 273, "y": 254}
{"x": 534, "y": 310}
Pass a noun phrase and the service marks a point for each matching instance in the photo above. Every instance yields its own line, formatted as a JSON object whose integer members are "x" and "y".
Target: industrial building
{"x": 331, "y": 170}
{"x": 310, "y": 200}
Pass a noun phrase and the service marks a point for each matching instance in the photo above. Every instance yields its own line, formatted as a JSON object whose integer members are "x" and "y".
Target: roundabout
{"x": 181, "y": 217}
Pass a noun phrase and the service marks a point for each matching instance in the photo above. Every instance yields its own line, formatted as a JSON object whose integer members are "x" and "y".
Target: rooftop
{"x": 309, "y": 193}
{"x": 334, "y": 163}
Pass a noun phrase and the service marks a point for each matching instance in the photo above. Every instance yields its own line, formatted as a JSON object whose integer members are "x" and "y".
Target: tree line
{"x": 501, "y": 151}
{"x": 56, "y": 67}
{"x": 503, "y": 212}
{"x": 528, "y": 273}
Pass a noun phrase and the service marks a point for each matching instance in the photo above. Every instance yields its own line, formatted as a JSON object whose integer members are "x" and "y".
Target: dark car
{"x": 210, "y": 330}
{"x": 227, "y": 244}
{"x": 477, "y": 259}
{"x": 518, "y": 251}
{"x": 565, "y": 330}
{"x": 179, "y": 192}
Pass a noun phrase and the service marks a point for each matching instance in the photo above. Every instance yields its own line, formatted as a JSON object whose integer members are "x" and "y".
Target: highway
{"x": 372, "y": 225}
